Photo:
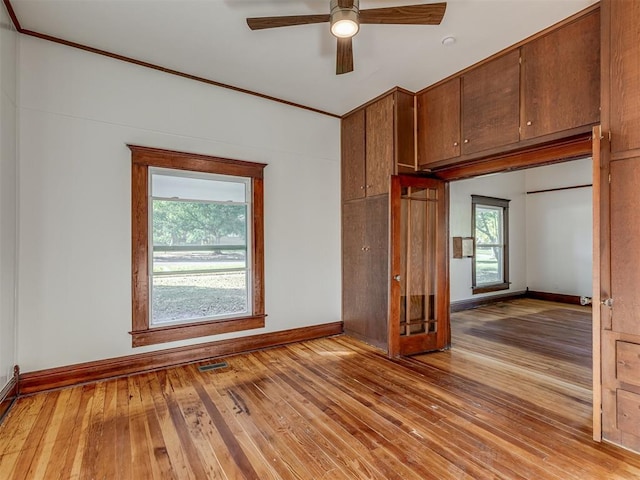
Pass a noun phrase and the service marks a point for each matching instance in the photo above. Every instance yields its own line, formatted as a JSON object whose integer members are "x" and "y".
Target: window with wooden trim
{"x": 490, "y": 227}
{"x": 197, "y": 245}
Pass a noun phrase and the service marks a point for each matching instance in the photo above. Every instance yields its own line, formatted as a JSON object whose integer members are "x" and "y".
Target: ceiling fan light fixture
{"x": 344, "y": 21}
{"x": 344, "y": 28}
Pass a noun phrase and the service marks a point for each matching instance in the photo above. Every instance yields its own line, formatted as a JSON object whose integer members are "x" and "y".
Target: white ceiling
{"x": 209, "y": 38}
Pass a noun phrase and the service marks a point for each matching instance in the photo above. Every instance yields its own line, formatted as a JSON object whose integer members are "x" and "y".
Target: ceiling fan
{"x": 345, "y": 18}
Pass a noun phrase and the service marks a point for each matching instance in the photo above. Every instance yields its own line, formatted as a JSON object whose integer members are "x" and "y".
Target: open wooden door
{"x": 419, "y": 291}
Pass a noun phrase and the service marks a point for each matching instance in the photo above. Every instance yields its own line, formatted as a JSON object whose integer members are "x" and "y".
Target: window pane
{"x": 171, "y": 261}
{"x": 488, "y": 225}
{"x": 198, "y": 224}
{"x": 195, "y": 297}
{"x": 488, "y": 265}
{"x": 171, "y": 184}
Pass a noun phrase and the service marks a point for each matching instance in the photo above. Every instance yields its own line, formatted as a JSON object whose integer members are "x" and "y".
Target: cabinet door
{"x": 365, "y": 265}
{"x": 624, "y": 74}
{"x": 561, "y": 79}
{"x": 353, "y": 156}
{"x": 439, "y": 123}
{"x": 491, "y": 104}
{"x": 379, "y": 145}
{"x": 376, "y": 280}
{"x": 354, "y": 269}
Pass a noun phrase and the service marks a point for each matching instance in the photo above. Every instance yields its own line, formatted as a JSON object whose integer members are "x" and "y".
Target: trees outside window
{"x": 490, "y": 226}
{"x": 197, "y": 230}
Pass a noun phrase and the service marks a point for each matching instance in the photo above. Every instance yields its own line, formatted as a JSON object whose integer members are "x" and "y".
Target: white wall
{"x": 77, "y": 113}
{"x": 550, "y": 233}
{"x": 560, "y": 229}
{"x": 8, "y": 196}
{"x": 508, "y": 186}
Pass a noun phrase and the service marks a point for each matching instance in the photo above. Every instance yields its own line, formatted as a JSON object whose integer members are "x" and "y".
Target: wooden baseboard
{"x": 7, "y": 396}
{"x": 49, "y": 379}
{"x": 554, "y": 297}
{"x": 476, "y": 302}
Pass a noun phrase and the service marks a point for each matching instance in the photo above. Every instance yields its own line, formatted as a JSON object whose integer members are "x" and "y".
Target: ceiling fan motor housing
{"x": 345, "y": 20}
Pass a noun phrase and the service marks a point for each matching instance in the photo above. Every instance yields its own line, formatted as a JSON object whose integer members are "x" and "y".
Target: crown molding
{"x": 153, "y": 66}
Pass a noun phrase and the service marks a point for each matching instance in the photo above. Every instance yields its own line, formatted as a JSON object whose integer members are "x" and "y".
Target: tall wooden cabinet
{"x": 377, "y": 142}
{"x": 620, "y": 207}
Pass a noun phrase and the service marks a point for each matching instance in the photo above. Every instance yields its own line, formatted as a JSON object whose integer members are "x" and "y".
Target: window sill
{"x": 491, "y": 288}
{"x": 184, "y": 331}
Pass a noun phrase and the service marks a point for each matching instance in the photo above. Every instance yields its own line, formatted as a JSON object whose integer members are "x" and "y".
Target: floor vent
{"x": 212, "y": 366}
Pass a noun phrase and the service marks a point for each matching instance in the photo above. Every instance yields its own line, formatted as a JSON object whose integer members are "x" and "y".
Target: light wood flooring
{"x": 508, "y": 401}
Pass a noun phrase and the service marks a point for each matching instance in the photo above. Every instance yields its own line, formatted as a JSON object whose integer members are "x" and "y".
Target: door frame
{"x": 586, "y": 144}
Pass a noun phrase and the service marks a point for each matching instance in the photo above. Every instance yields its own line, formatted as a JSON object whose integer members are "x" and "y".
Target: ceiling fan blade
{"x": 260, "y": 23}
{"x": 427, "y": 14}
{"x": 344, "y": 59}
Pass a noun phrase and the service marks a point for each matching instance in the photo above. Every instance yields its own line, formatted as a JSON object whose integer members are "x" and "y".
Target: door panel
{"x": 419, "y": 301}
{"x": 379, "y": 145}
{"x": 352, "y": 147}
{"x": 376, "y": 281}
{"x": 491, "y": 104}
{"x": 625, "y": 256}
{"x": 354, "y": 269}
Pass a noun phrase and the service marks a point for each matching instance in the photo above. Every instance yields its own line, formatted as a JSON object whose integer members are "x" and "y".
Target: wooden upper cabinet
{"x": 438, "y": 120}
{"x": 353, "y": 156}
{"x": 377, "y": 141}
{"x": 491, "y": 104}
{"x": 561, "y": 78}
{"x": 624, "y": 75}
{"x": 379, "y": 134}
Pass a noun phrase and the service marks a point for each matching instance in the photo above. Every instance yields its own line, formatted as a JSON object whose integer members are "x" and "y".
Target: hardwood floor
{"x": 334, "y": 408}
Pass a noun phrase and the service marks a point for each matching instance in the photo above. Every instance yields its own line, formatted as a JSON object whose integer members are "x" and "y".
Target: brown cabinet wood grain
{"x": 561, "y": 79}
{"x": 620, "y": 220}
{"x": 365, "y": 254}
{"x": 438, "y": 119}
{"x": 491, "y": 104}
{"x": 377, "y": 141}
{"x": 624, "y": 75}
{"x": 379, "y": 149}
{"x": 353, "y": 156}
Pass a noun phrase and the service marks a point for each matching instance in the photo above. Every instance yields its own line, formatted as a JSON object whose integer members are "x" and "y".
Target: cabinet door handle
{"x": 466, "y": 140}
{"x": 397, "y": 278}
{"x": 455, "y": 144}
{"x": 529, "y": 123}
{"x": 361, "y": 187}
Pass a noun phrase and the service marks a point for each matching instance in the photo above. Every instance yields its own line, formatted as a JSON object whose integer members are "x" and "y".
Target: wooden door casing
{"x": 438, "y": 118}
{"x": 491, "y": 104}
{"x": 352, "y": 146}
{"x": 561, "y": 79}
{"x": 619, "y": 217}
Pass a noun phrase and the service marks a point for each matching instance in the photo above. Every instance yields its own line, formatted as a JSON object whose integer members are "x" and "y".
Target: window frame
{"x": 143, "y": 158}
{"x": 499, "y": 203}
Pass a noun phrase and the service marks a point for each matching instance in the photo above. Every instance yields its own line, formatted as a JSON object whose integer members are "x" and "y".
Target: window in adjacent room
{"x": 197, "y": 245}
{"x": 490, "y": 226}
